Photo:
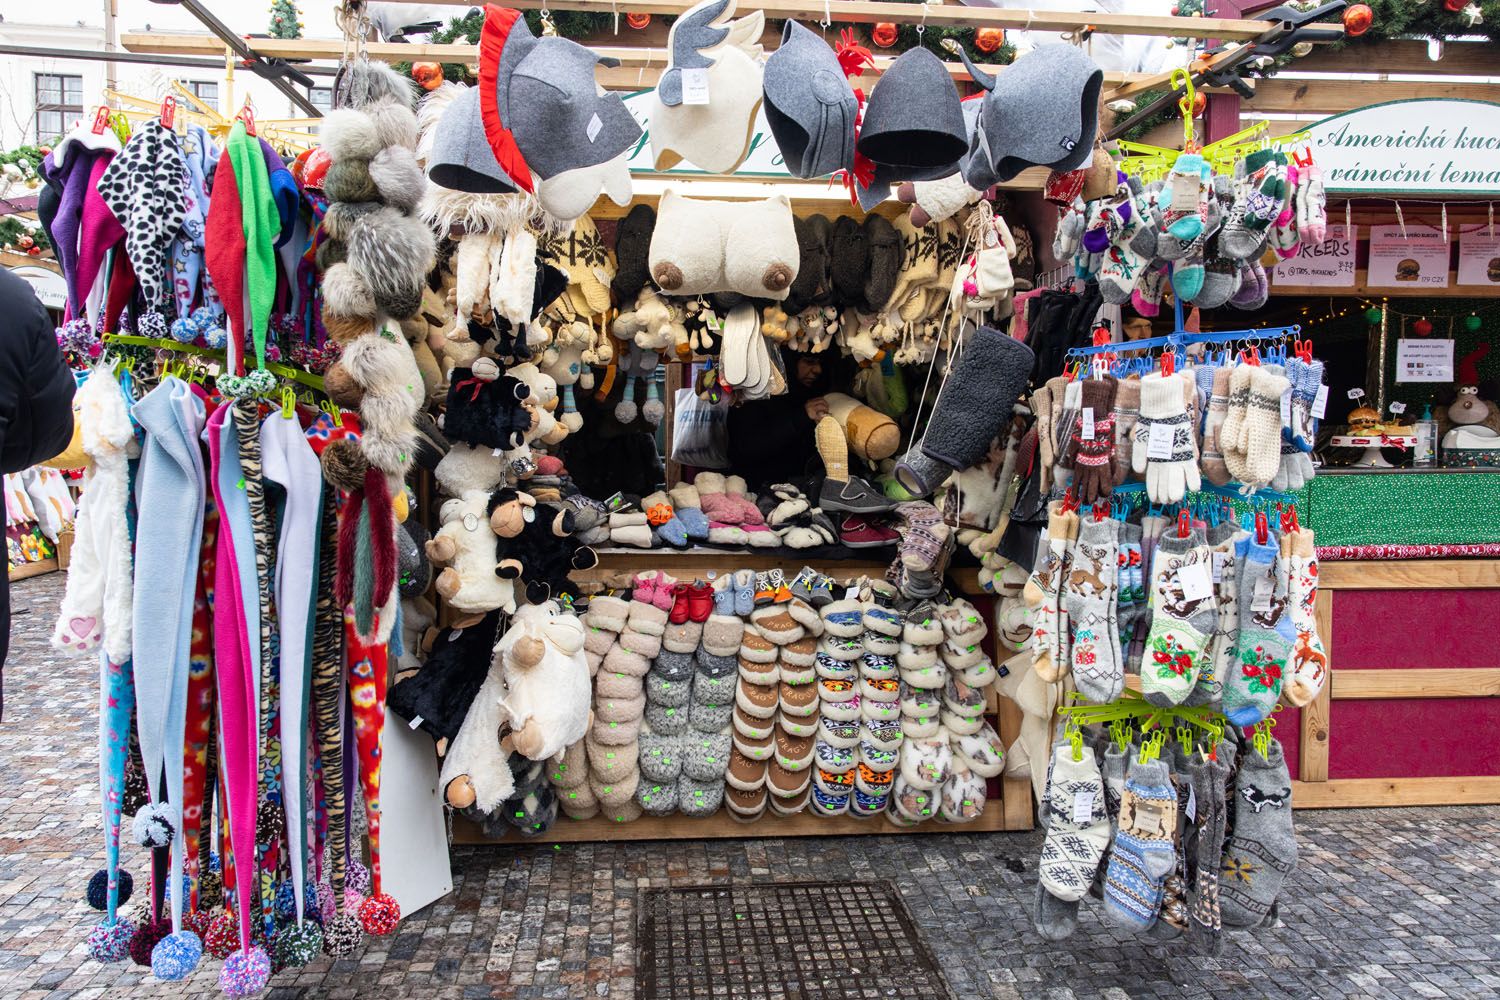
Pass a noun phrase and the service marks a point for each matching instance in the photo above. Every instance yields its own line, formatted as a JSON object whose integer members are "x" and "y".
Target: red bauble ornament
{"x": 884, "y": 34}
{"x": 25, "y": 242}
{"x": 428, "y": 74}
{"x": 1200, "y": 104}
{"x": 638, "y": 21}
{"x": 989, "y": 40}
{"x": 1422, "y": 328}
{"x": 1454, "y": 6}
{"x": 34, "y": 252}
{"x": 1357, "y": 19}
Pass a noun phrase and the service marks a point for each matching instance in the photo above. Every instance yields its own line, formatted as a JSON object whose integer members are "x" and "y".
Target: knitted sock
{"x": 1130, "y": 595}
{"x": 1126, "y": 412}
{"x": 1267, "y": 189}
{"x": 1309, "y": 658}
{"x": 1207, "y": 815}
{"x": 1236, "y": 240}
{"x": 1043, "y": 593}
{"x": 1077, "y": 824}
{"x": 1148, "y": 223}
{"x": 1188, "y": 207}
{"x": 833, "y": 449}
{"x": 1214, "y": 469}
{"x": 1089, "y": 590}
{"x": 1262, "y": 852}
{"x": 1264, "y": 645}
{"x": 1210, "y": 687}
{"x": 1187, "y": 272}
{"x": 1142, "y": 854}
{"x": 1182, "y": 618}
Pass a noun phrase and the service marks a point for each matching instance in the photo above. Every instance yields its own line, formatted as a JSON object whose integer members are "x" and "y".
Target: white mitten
{"x": 1169, "y": 478}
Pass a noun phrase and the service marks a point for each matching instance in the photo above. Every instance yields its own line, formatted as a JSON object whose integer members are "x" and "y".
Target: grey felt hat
{"x": 809, "y": 104}
{"x": 543, "y": 112}
{"x": 913, "y": 120}
{"x": 1042, "y": 111}
{"x": 462, "y": 159}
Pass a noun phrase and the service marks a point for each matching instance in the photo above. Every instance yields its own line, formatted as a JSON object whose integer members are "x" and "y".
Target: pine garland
{"x": 1424, "y": 19}
{"x": 284, "y": 20}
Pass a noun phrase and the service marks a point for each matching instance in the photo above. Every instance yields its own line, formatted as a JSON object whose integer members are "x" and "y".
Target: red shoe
{"x": 680, "y": 609}
{"x": 700, "y": 602}
{"x": 859, "y": 533}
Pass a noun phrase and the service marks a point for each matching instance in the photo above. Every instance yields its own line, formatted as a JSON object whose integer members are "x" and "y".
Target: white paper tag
{"x": 1196, "y": 582}
{"x": 453, "y": 636}
{"x": 852, "y": 594}
{"x": 1192, "y": 804}
{"x": 1086, "y": 425}
{"x": 1356, "y": 394}
{"x": 496, "y": 453}
{"x": 595, "y": 126}
{"x": 1219, "y": 559}
{"x": 414, "y": 723}
{"x": 1398, "y": 408}
{"x": 1083, "y": 807}
{"x": 1264, "y": 588}
{"x": 1286, "y": 408}
{"x": 695, "y": 86}
{"x": 1159, "y": 444}
{"x": 1320, "y": 403}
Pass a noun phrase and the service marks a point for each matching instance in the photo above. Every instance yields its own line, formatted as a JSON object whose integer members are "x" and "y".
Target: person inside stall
{"x": 771, "y": 440}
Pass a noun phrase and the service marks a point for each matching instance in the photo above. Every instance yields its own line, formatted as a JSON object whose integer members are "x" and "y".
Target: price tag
{"x": 1286, "y": 408}
{"x": 1320, "y": 403}
{"x": 414, "y": 723}
{"x": 1192, "y": 804}
{"x": 695, "y": 86}
{"x": 1356, "y": 394}
{"x": 1219, "y": 559}
{"x": 453, "y": 636}
{"x": 1196, "y": 581}
{"x": 1264, "y": 588}
{"x": 852, "y": 594}
{"x": 1159, "y": 444}
{"x": 1398, "y": 408}
{"x": 1086, "y": 425}
{"x": 594, "y": 127}
{"x": 1083, "y": 807}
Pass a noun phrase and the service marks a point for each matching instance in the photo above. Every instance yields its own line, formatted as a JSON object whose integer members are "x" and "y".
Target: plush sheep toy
{"x": 465, "y": 547}
{"x": 547, "y": 681}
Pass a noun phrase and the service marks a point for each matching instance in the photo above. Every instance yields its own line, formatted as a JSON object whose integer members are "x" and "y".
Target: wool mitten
{"x": 1077, "y": 824}
{"x": 1262, "y": 851}
{"x": 1165, "y": 432}
{"x": 1041, "y": 408}
{"x": 1312, "y": 208}
{"x": 1188, "y": 205}
{"x": 1264, "y": 645}
{"x": 1214, "y": 469}
{"x": 1069, "y": 233}
{"x": 1142, "y": 854}
{"x": 1262, "y": 429}
{"x": 1093, "y": 441}
{"x": 1043, "y": 593}
{"x": 1231, "y": 437}
{"x": 1309, "y": 657}
{"x": 1127, "y": 412}
{"x": 1182, "y": 618}
{"x": 1089, "y": 589}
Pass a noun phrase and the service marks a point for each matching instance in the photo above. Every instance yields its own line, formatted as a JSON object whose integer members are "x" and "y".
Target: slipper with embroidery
{"x": 925, "y": 762}
{"x": 752, "y": 726}
{"x": 963, "y": 796}
{"x": 843, "y": 734}
{"x": 981, "y": 752}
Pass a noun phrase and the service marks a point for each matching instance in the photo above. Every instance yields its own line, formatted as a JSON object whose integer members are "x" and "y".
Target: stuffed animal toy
{"x": 476, "y": 772}
{"x": 437, "y": 697}
{"x": 534, "y": 544}
{"x": 872, "y": 435}
{"x": 638, "y": 367}
{"x": 378, "y": 375}
{"x": 421, "y": 332}
{"x": 547, "y": 681}
{"x": 564, "y": 363}
{"x": 549, "y": 430}
{"x": 468, "y": 467}
{"x": 489, "y": 409}
{"x": 465, "y": 547}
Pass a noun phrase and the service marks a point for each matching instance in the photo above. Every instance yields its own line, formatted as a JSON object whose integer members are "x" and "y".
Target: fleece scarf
{"x": 198, "y": 744}
{"x": 224, "y": 254}
{"x": 236, "y": 660}
{"x": 145, "y": 188}
{"x": 97, "y": 601}
{"x": 199, "y": 154}
{"x": 284, "y": 192}
{"x": 170, "y": 487}
{"x": 288, "y": 461}
{"x": 368, "y": 670}
{"x": 99, "y": 232}
{"x": 116, "y": 705}
{"x": 261, "y": 222}
{"x": 69, "y": 167}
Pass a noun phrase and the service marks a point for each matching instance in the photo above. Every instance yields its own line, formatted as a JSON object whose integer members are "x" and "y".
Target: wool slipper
{"x": 612, "y": 762}
{"x": 572, "y": 768}
{"x": 806, "y": 615}
{"x": 777, "y": 625}
{"x": 598, "y": 641}
{"x": 925, "y": 631}
{"x": 799, "y": 725}
{"x": 881, "y": 644}
{"x": 981, "y": 752}
{"x": 877, "y": 667}
{"x": 839, "y": 733}
{"x": 920, "y": 703}
{"x": 625, "y": 812}
{"x": 800, "y": 700}
{"x": 616, "y": 733}
{"x": 744, "y": 592}
{"x": 872, "y": 782}
{"x": 981, "y": 674}
{"x": 616, "y": 792}
{"x": 674, "y": 666}
{"x": 722, "y": 635}
{"x": 865, "y": 805}
{"x": 687, "y": 505}
{"x": 744, "y": 774}
{"x": 662, "y": 690}
{"x": 755, "y": 749}
{"x": 798, "y": 675}
{"x": 880, "y": 711}
{"x": 842, "y": 648}
{"x": 699, "y": 799}
{"x": 925, "y": 762}
{"x": 657, "y": 798}
{"x": 885, "y": 621}
{"x": 578, "y": 803}
{"x": 756, "y": 648}
{"x": 844, "y": 619}
{"x": 623, "y": 661}
{"x": 711, "y": 717}
{"x": 963, "y": 796}
{"x": 824, "y": 804}
{"x": 833, "y": 783}
{"x": 619, "y": 709}
{"x": 613, "y": 684}
{"x": 920, "y": 729}
{"x": 792, "y": 805}
{"x": 785, "y": 782}
{"x": 957, "y": 655}
{"x": 747, "y": 807}
{"x": 962, "y": 700}
{"x": 963, "y": 623}
{"x": 706, "y": 755}
{"x": 802, "y": 653}
{"x": 833, "y": 669}
{"x": 661, "y": 757}
{"x": 647, "y": 618}
{"x": 878, "y": 757}
{"x": 757, "y": 700}
{"x": 665, "y": 720}
{"x": 637, "y": 536}
{"x": 752, "y": 726}
{"x": 885, "y": 734}
{"x": 710, "y": 690}
{"x": 838, "y": 760}
{"x": 912, "y": 803}
{"x": 912, "y": 657}
{"x": 607, "y": 613}
{"x": 713, "y": 664}
{"x": 959, "y": 725}
{"x": 874, "y": 690}
{"x": 836, "y": 695}
{"x": 761, "y": 674}
{"x": 683, "y": 638}
{"x": 645, "y": 644}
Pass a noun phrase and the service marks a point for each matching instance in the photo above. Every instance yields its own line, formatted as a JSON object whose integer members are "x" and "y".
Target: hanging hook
{"x": 1182, "y": 79}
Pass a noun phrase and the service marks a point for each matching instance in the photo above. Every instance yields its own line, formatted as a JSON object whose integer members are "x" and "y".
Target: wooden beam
{"x": 1351, "y": 793}
{"x": 1459, "y": 59}
{"x": 1312, "y": 748}
{"x": 1328, "y": 97}
{"x": 30, "y": 569}
{"x": 1410, "y": 574}
{"x": 1015, "y": 793}
{"x": 1437, "y": 682}
{"x": 953, "y": 16}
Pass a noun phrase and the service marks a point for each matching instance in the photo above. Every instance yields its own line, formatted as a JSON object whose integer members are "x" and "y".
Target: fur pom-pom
{"x": 347, "y": 133}
{"x": 341, "y": 387}
{"x": 176, "y": 956}
{"x": 349, "y": 180}
{"x": 98, "y": 891}
{"x": 347, "y": 293}
{"x": 223, "y": 935}
{"x": 155, "y": 825}
{"x": 395, "y": 124}
{"x": 398, "y": 178}
{"x": 393, "y": 253}
{"x": 372, "y": 82}
{"x": 342, "y": 216}
{"x": 344, "y": 465}
{"x": 329, "y": 253}
{"x": 245, "y": 973}
{"x": 344, "y": 329}
{"x": 110, "y": 942}
{"x": 379, "y": 914}
{"x": 144, "y": 941}
{"x": 341, "y": 936}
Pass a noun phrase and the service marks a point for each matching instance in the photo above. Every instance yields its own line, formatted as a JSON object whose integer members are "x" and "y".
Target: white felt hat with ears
{"x": 710, "y": 129}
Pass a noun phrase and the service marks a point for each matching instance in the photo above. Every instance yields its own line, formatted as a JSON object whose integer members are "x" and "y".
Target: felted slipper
{"x": 920, "y": 729}
{"x": 572, "y": 770}
{"x": 784, "y": 782}
{"x": 962, "y": 700}
{"x": 833, "y": 669}
{"x": 707, "y": 717}
{"x": 613, "y": 684}
{"x": 828, "y": 805}
{"x": 872, "y": 782}
{"x": 752, "y": 726}
{"x": 795, "y": 753}
{"x": 757, "y": 648}
{"x": 623, "y": 661}
{"x": 755, "y": 749}
{"x": 612, "y": 763}
{"x": 713, "y": 664}
{"x": 799, "y": 699}
{"x": 777, "y": 624}
{"x": 599, "y": 641}
{"x": 699, "y": 798}
{"x": 760, "y": 674}
{"x": 801, "y": 653}
{"x": 619, "y": 709}
{"x": 657, "y": 798}
{"x": 932, "y": 678}
{"x": 606, "y": 613}
{"x": 662, "y": 691}
{"x": 922, "y": 627}
{"x": 839, "y": 783}
{"x": 880, "y": 711}
{"x": 615, "y": 733}
{"x": 980, "y": 752}
{"x": 746, "y": 806}
{"x": 838, "y": 760}
{"x": 836, "y": 733}
{"x": 877, "y": 667}
{"x": 844, "y": 619}
{"x": 757, "y": 700}
{"x": 847, "y": 709}
{"x": 722, "y": 635}
{"x": 674, "y": 666}
{"x": 980, "y": 674}
{"x": 914, "y": 657}
{"x": 963, "y": 796}
{"x": 842, "y": 647}
{"x": 708, "y": 690}
{"x": 806, "y": 615}
{"x": 959, "y": 725}
{"x": 666, "y": 721}
{"x": 925, "y": 763}
{"x": 578, "y": 803}
{"x": 705, "y": 756}
{"x": 661, "y": 757}
{"x": 617, "y": 792}
{"x": 793, "y": 805}
{"x": 744, "y": 774}
{"x": 683, "y": 638}
{"x": 646, "y": 644}
{"x": 958, "y": 656}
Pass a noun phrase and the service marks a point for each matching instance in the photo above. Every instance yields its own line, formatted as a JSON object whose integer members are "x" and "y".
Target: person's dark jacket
{"x": 36, "y": 399}
{"x": 771, "y": 440}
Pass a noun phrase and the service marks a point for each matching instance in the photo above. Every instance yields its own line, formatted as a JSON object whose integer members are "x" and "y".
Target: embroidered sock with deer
{"x": 1089, "y": 592}
{"x": 1263, "y": 850}
{"x": 1143, "y": 853}
{"x": 1309, "y": 658}
{"x": 1043, "y": 593}
{"x": 1182, "y": 618}
{"x": 1264, "y": 644}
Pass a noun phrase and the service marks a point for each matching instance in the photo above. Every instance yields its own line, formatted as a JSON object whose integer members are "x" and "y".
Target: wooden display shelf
{"x": 722, "y": 825}
{"x": 27, "y": 570}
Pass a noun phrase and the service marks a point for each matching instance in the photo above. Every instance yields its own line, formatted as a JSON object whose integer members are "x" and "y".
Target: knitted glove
{"x": 1065, "y": 421}
{"x": 1126, "y": 412}
{"x": 1093, "y": 475}
{"x": 1218, "y": 408}
{"x": 1041, "y": 407}
{"x": 1167, "y": 479}
{"x": 1260, "y": 433}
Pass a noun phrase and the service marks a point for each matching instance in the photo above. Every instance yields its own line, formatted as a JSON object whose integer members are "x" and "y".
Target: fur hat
{"x": 724, "y": 59}
{"x": 811, "y": 284}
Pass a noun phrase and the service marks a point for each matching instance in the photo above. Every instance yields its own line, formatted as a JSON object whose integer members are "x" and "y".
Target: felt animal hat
{"x": 461, "y": 158}
{"x": 552, "y": 129}
{"x": 1043, "y": 110}
{"x": 809, "y": 104}
{"x": 706, "y": 102}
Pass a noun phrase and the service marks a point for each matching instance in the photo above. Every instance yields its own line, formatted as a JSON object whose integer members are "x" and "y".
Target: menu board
{"x": 1479, "y": 256}
{"x": 1329, "y": 264}
{"x": 1418, "y": 259}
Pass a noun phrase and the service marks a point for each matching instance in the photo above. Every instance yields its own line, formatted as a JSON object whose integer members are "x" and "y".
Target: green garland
{"x": 284, "y": 20}
{"x": 1422, "y": 18}
{"x": 27, "y": 159}
{"x": 12, "y": 229}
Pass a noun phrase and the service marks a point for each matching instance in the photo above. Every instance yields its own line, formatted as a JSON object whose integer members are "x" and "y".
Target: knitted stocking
{"x": 1217, "y": 660}
{"x": 1181, "y": 625}
{"x": 116, "y": 705}
{"x": 1264, "y": 645}
{"x": 1089, "y": 591}
{"x": 1263, "y": 850}
{"x": 1205, "y": 920}
{"x": 1043, "y": 592}
{"x": 1143, "y": 853}
{"x": 1310, "y": 659}
{"x": 1077, "y": 824}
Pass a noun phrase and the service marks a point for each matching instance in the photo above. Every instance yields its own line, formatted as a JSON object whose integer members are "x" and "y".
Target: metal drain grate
{"x": 782, "y": 941}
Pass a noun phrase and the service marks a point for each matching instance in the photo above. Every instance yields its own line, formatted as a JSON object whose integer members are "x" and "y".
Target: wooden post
{"x": 1313, "y": 746}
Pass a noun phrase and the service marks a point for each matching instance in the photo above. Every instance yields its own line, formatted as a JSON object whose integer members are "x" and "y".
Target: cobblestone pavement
{"x": 1398, "y": 903}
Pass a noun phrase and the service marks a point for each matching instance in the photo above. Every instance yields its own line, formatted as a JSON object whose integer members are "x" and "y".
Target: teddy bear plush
{"x": 546, "y": 679}
{"x": 465, "y": 547}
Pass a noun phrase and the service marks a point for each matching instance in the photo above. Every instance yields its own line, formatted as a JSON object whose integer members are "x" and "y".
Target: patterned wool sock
{"x": 1214, "y": 469}
{"x": 1210, "y": 687}
{"x": 1112, "y": 774}
{"x": 1187, "y": 271}
{"x": 1263, "y": 850}
{"x": 1043, "y": 593}
{"x": 1182, "y": 618}
{"x": 1173, "y": 919}
{"x": 1205, "y": 919}
{"x": 1089, "y": 591}
{"x": 1127, "y": 571}
{"x": 1142, "y": 855}
{"x": 1264, "y": 645}
{"x": 1188, "y": 188}
{"x": 1309, "y": 657}
{"x": 1267, "y": 175}
{"x": 1077, "y": 824}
